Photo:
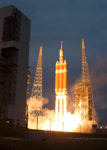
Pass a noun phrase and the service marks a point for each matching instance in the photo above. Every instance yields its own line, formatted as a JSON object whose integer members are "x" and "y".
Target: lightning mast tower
{"x": 37, "y": 86}
{"x": 83, "y": 94}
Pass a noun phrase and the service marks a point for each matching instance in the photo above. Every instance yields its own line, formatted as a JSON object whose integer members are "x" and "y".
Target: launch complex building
{"x": 14, "y": 54}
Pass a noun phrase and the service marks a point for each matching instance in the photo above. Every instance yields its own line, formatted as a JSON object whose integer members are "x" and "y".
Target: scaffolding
{"x": 84, "y": 102}
{"x": 8, "y": 76}
{"x": 36, "y": 94}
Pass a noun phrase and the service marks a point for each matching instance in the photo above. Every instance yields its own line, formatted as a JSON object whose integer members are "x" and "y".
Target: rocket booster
{"x": 61, "y": 87}
{"x": 61, "y": 73}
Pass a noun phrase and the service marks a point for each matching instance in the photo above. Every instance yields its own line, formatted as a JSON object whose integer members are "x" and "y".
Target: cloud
{"x": 33, "y": 102}
{"x": 71, "y": 95}
{"x": 99, "y": 80}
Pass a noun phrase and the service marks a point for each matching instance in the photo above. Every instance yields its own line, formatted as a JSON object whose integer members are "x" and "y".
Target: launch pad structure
{"x": 84, "y": 102}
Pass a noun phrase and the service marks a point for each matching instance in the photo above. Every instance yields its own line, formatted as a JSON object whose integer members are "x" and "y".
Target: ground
{"x": 56, "y": 144}
{"x": 52, "y": 145}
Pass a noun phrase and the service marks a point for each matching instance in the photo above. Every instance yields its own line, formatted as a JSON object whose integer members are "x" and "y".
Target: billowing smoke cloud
{"x": 72, "y": 121}
{"x": 98, "y": 73}
{"x": 84, "y": 125}
{"x": 33, "y": 103}
{"x": 99, "y": 80}
{"x": 71, "y": 95}
{"x": 43, "y": 121}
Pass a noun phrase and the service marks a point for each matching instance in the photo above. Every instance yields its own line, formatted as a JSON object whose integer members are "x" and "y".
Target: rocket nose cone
{"x": 57, "y": 62}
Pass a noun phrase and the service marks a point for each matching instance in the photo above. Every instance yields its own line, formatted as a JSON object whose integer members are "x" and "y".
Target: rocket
{"x": 61, "y": 73}
{"x": 61, "y": 87}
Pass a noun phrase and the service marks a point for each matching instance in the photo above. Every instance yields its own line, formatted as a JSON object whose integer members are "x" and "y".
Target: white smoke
{"x": 47, "y": 117}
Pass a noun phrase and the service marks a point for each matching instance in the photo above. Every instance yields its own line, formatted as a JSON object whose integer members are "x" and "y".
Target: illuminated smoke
{"x": 72, "y": 123}
{"x": 43, "y": 121}
{"x": 82, "y": 125}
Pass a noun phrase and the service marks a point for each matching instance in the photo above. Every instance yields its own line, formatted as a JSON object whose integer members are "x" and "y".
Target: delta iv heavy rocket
{"x": 61, "y": 87}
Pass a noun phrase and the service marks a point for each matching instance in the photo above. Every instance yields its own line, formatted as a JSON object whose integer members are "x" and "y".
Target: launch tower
{"x": 37, "y": 86}
{"x": 61, "y": 87}
{"x": 84, "y": 103}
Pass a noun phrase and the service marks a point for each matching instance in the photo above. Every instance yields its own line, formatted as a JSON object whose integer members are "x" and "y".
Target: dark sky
{"x": 53, "y": 21}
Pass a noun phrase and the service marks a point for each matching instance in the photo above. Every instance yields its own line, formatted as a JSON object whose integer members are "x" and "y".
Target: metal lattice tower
{"x": 37, "y": 85}
{"x": 83, "y": 95}
{"x": 85, "y": 68}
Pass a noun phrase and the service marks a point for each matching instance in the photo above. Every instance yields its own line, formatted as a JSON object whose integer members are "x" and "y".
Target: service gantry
{"x": 84, "y": 102}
